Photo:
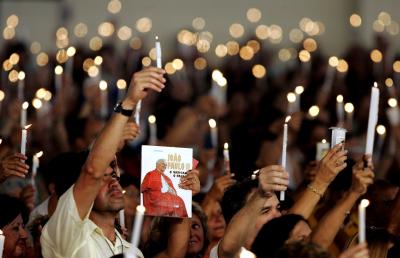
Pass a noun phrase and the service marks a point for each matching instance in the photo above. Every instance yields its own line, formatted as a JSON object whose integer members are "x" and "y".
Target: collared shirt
{"x": 67, "y": 235}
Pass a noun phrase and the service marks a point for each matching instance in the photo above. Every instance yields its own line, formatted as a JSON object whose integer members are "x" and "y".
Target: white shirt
{"x": 67, "y": 235}
{"x": 243, "y": 251}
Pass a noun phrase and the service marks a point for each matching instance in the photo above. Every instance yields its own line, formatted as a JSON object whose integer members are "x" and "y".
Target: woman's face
{"x": 196, "y": 241}
{"x": 16, "y": 236}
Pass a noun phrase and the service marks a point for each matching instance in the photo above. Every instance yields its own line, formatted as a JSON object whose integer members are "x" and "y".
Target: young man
{"x": 83, "y": 223}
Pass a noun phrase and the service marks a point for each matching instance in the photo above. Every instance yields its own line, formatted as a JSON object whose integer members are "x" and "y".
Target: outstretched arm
{"x": 95, "y": 169}
{"x": 330, "y": 224}
{"x": 328, "y": 168}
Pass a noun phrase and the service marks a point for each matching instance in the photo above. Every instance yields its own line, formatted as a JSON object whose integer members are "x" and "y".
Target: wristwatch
{"x": 119, "y": 109}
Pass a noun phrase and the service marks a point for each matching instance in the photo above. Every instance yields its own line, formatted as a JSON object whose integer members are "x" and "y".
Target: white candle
{"x": 227, "y": 165}
{"x": 361, "y": 220}
{"x": 24, "y": 109}
{"x": 122, "y": 218}
{"x": 393, "y": 113}
{"x": 23, "y": 139}
{"x": 373, "y": 119}
{"x": 58, "y": 71}
{"x": 153, "y": 130}
{"x": 137, "y": 112}
{"x": 349, "y": 108}
{"x": 158, "y": 53}
{"x": 70, "y": 62}
{"x": 137, "y": 226}
{"x": 338, "y": 135}
{"x": 291, "y": 98}
{"x": 284, "y": 147}
{"x": 381, "y": 130}
{"x": 121, "y": 85}
{"x": 21, "y": 86}
{"x": 214, "y": 132}
{"x": 339, "y": 110}
{"x": 330, "y": 73}
{"x": 322, "y": 149}
{"x": 104, "y": 99}
{"x": 2, "y": 240}
{"x": 35, "y": 166}
{"x": 298, "y": 90}
{"x": 2, "y": 96}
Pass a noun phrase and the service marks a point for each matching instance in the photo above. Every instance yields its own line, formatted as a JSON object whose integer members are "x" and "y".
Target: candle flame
{"x": 291, "y": 97}
{"x": 58, "y": 70}
{"x": 1, "y": 232}
{"x": 157, "y": 38}
{"x": 103, "y": 85}
{"x": 27, "y": 127}
{"x": 226, "y": 146}
{"x": 25, "y": 105}
{"x": 323, "y": 141}
{"x": 39, "y": 154}
{"x": 152, "y": 119}
{"x": 140, "y": 208}
{"x": 212, "y": 123}
{"x": 123, "y": 191}
{"x": 349, "y": 107}
{"x": 375, "y": 84}
{"x": 98, "y": 60}
{"x": 1, "y": 140}
{"x": 299, "y": 90}
{"x": 364, "y": 203}
{"x": 381, "y": 129}
{"x": 287, "y": 119}
{"x": 339, "y": 98}
{"x": 21, "y": 75}
{"x": 392, "y": 102}
{"x": 71, "y": 51}
{"x": 256, "y": 172}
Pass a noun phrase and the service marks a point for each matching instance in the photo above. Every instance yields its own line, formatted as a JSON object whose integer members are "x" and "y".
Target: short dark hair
{"x": 235, "y": 198}
{"x": 302, "y": 249}
{"x": 12, "y": 207}
{"x": 274, "y": 234}
{"x": 65, "y": 169}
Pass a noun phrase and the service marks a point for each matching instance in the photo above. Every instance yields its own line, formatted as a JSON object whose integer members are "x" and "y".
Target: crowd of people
{"x": 90, "y": 168}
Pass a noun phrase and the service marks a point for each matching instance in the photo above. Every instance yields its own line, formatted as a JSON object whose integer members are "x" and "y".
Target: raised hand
{"x": 131, "y": 131}
{"x": 273, "y": 178}
{"x": 220, "y": 185}
{"x": 362, "y": 178}
{"x": 330, "y": 166}
{"x": 191, "y": 181}
{"x": 13, "y": 165}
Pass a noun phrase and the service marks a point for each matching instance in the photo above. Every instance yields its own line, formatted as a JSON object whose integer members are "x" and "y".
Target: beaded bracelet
{"x": 315, "y": 190}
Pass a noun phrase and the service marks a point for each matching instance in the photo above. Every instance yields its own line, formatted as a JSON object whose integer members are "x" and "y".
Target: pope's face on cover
{"x": 161, "y": 166}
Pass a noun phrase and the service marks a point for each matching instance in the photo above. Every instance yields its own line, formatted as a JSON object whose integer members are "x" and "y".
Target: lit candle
{"x": 158, "y": 53}
{"x": 2, "y": 240}
{"x": 381, "y": 130}
{"x": 393, "y": 113}
{"x": 24, "y": 109}
{"x": 219, "y": 87}
{"x": 2, "y": 96}
{"x": 70, "y": 63}
{"x": 137, "y": 226}
{"x": 104, "y": 99}
{"x": 121, "y": 85}
{"x": 338, "y": 135}
{"x": 58, "y": 71}
{"x": 137, "y": 112}
{"x": 322, "y": 149}
{"x": 214, "y": 132}
{"x": 35, "y": 166}
{"x": 227, "y": 165}
{"x": 330, "y": 73}
{"x": 21, "y": 86}
{"x": 284, "y": 148}
{"x": 298, "y": 90}
{"x": 291, "y": 97}
{"x": 339, "y": 110}
{"x": 361, "y": 220}
{"x": 373, "y": 119}
{"x": 121, "y": 214}
{"x": 153, "y": 130}
{"x": 349, "y": 108}
{"x": 23, "y": 138}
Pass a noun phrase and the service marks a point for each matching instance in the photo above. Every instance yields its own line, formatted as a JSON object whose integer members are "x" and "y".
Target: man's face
{"x": 161, "y": 166}
{"x": 110, "y": 197}
{"x": 269, "y": 211}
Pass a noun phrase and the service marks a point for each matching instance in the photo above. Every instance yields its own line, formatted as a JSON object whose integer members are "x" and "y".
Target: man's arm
{"x": 178, "y": 239}
{"x": 105, "y": 146}
{"x": 271, "y": 178}
{"x": 329, "y": 167}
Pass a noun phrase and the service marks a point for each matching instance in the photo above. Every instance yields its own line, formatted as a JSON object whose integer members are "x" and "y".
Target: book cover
{"x": 161, "y": 172}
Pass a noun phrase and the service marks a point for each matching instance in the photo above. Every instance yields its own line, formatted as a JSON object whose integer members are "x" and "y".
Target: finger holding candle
{"x": 284, "y": 149}
{"x": 373, "y": 119}
{"x": 158, "y": 53}
{"x": 361, "y": 220}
